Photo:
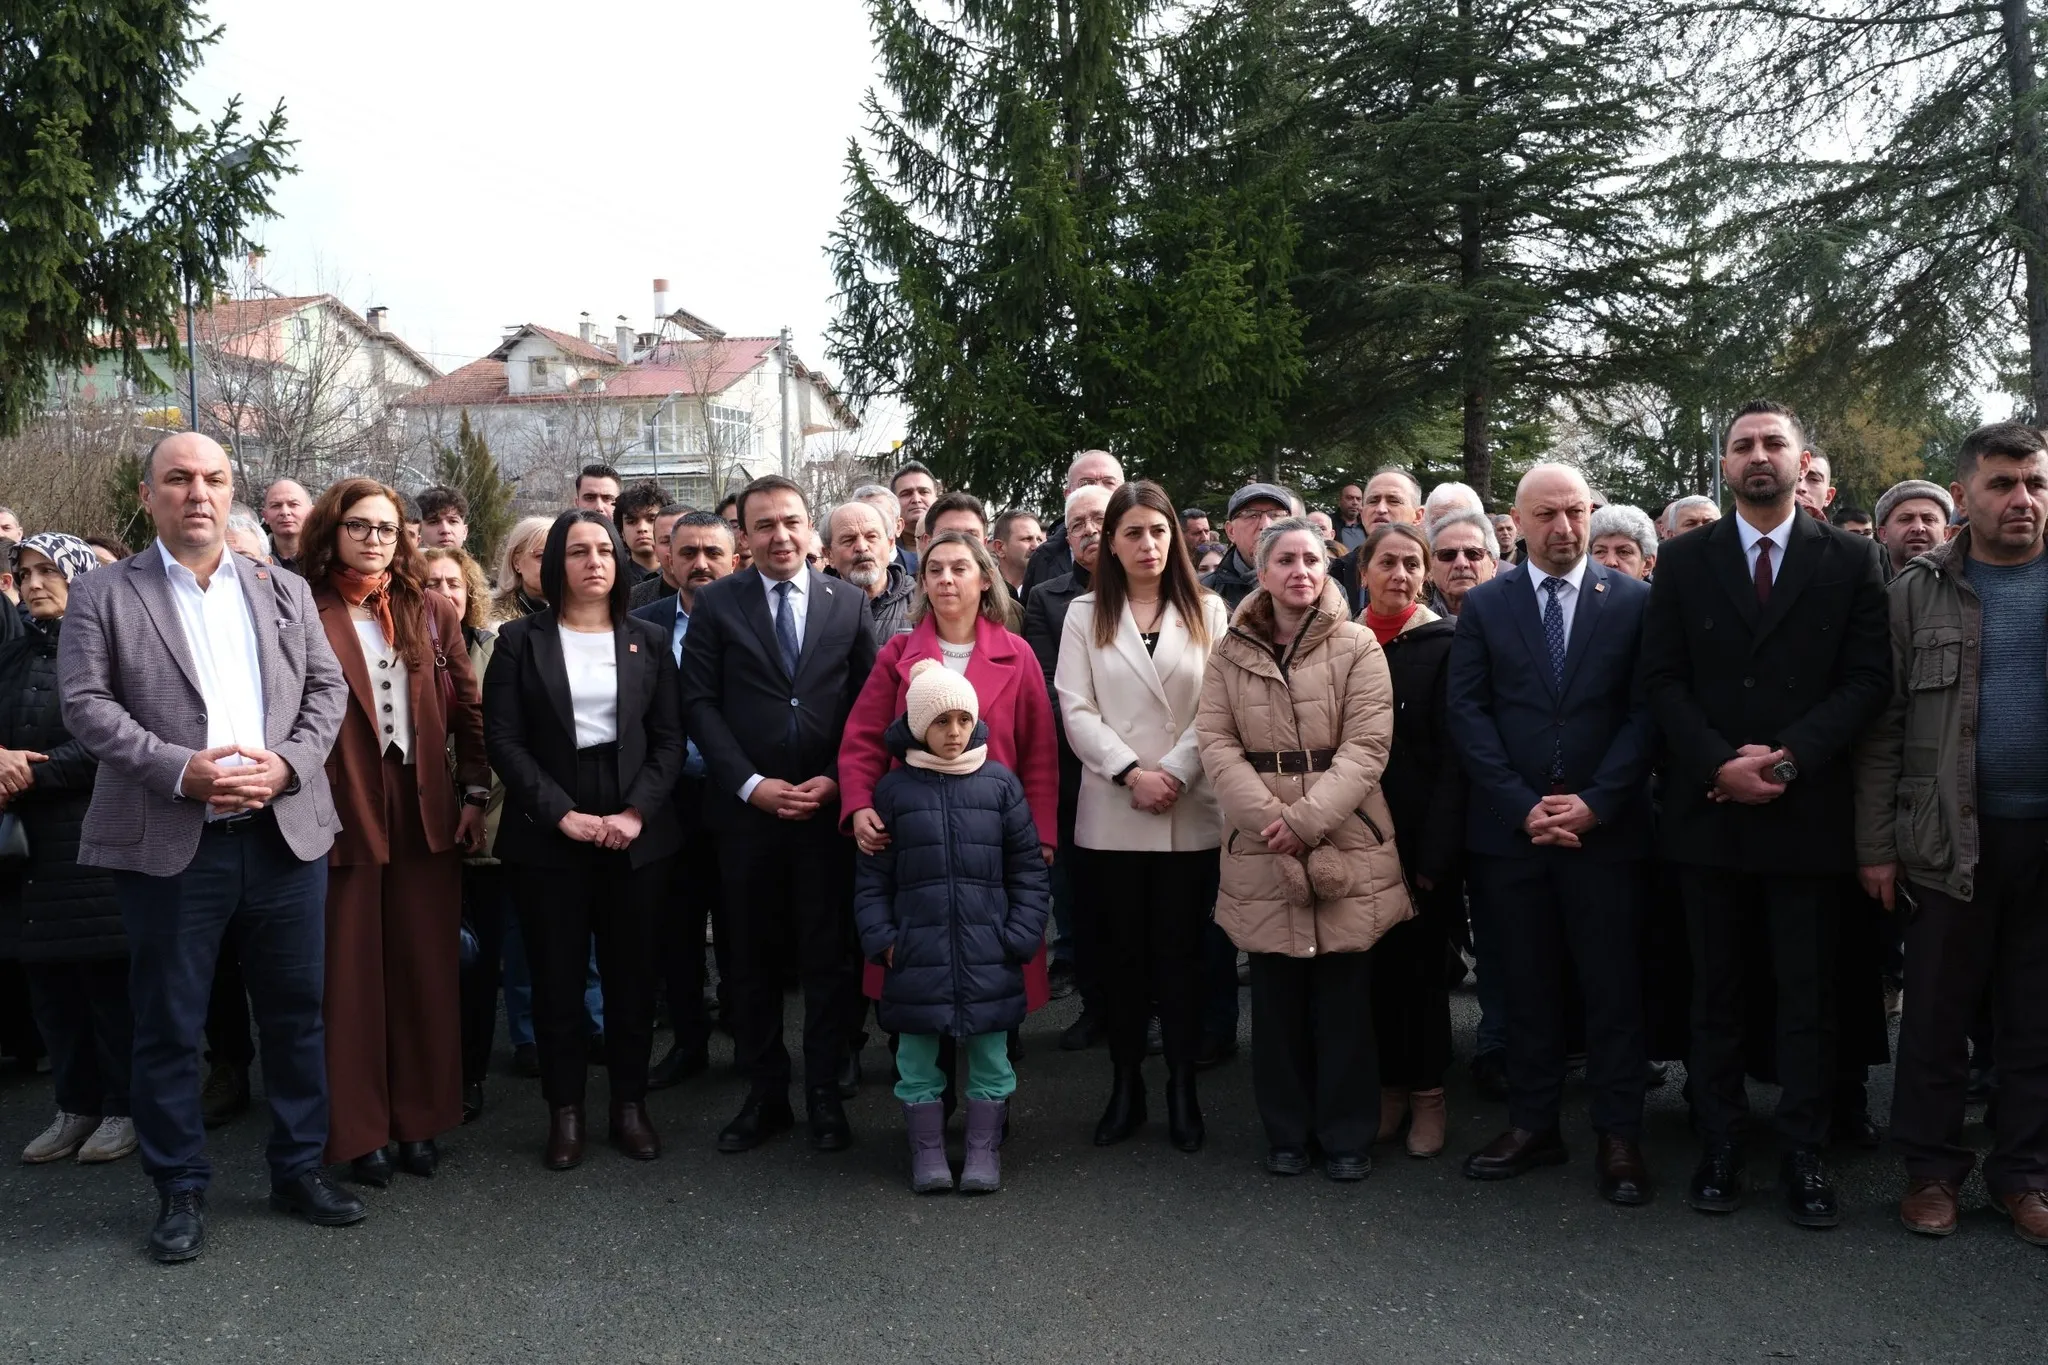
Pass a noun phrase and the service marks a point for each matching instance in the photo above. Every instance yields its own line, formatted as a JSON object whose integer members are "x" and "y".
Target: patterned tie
{"x": 1763, "y": 572}
{"x": 785, "y": 629}
{"x": 1553, "y": 628}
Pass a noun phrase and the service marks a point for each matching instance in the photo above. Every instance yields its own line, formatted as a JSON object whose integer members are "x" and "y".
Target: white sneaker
{"x": 61, "y": 1139}
{"x": 112, "y": 1140}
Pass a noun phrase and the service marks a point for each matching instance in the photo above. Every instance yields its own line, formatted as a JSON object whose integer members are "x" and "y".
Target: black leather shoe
{"x": 1126, "y": 1111}
{"x": 472, "y": 1102}
{"x": 830, "y": 1131}
{"x": 526, "y": 1060}
{"x": 1085, "y": 1032}
{"x": 317, "y": 1199}
{"x": 1809, "y": 1194}
{"x": 180, "y": 1229}
{"x": 1855, "y": 1130}
{"x": 760, "y": 1118}
{"x": 1347, "y": 1166}
{"x": 372, "y": 1169}
{"x": 849, "y": 1076}
{"x": 1183, "y": 1111}
{"x": 1516, "y": 1152}
{"x": 1286, "y": 1160}
{"x": 419, "y": 1158}
{"x": 678, "y": 1066}
{"x": 1490, "y": 1075}
{"x": 1620, "y": 1173}
{"x": 1716, "y": 1185}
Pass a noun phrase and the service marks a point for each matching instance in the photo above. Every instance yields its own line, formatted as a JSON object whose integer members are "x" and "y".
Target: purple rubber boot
{"x": 926, "y": 1124}
{"x": 982, "y": 1172}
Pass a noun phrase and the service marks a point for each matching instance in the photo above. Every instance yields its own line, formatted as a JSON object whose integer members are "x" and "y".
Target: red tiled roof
{"x": 566, "y": 344}
{"x": 479, "y": 383}
{"x": 235, "y": 317}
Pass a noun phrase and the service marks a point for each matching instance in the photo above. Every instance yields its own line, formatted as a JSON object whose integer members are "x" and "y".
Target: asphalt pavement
{"x": 1134, "y": 1253}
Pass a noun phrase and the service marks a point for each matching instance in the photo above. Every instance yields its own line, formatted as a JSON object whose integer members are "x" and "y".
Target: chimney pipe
{"x": 660, "y": 302}
{"x": 584, "y": 329}
{"x": 624, "y": 335}
{"x": 375, "y": 317}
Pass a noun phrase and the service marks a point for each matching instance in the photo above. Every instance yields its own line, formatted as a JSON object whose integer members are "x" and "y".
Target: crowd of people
{"x": 1684, "y": 788}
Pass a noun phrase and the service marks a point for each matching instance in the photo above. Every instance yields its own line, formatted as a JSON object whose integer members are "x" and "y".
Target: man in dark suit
{"x": 772, "y": 662}
{"x": 1764, "y": 655}
{"x": 696, "y": 550}
{"x": 1544, "y": 706}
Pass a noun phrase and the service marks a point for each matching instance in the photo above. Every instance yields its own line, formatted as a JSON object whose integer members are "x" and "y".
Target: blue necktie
{"x": 1553, "y": 638}
{"x": 785, "y": 629}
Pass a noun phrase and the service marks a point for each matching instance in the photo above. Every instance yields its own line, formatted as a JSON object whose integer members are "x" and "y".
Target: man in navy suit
{"x": 1555, "y": 735}
{"x": 772, "y": 661}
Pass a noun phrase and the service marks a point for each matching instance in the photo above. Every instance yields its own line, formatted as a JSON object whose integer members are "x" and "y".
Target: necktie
{"x": 1553, "y": 627}
{"x": 785, "y": 629}
{"x": 1763, "y": 571}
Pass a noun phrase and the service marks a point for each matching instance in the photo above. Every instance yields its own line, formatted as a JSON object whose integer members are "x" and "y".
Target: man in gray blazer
{"x": 205, "y": 686}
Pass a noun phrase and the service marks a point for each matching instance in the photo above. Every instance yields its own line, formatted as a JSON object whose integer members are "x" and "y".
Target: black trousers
{"x": 1151, "y": 912}
{"x": 1801, "y": 920}
{"x": 1562, "y": 920}
{"x": 560, "y": 909}
{"x": 486, "y": 906}
{"x": 1954, "y": 951}
{"x": 789, "y": 896}
{"x": 82, "y": 1011}
{"x": 1411, "y": 1002}
{"x": 1315, "y": 1064}
{"x": 696, "y": 897}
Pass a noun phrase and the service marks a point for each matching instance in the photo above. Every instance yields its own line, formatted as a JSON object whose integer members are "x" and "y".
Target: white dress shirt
{"x": 1567, "y": 596}
{"x": 800, "y": 611}
{"x": 1781, "y": 536}
{"x": 390, "y": 689}
{"x": 591, "y": 660}
{"x": 221, "y": 638}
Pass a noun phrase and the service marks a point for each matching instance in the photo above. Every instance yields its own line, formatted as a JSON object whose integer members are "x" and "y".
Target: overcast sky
{"x": 471, "y": 166}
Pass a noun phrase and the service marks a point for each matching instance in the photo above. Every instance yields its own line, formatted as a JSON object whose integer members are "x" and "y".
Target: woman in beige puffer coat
{"x": 1295, "y": 722}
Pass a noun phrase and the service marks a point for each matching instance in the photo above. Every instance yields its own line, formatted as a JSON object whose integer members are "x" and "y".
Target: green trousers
{"x": 989, "y": 1074}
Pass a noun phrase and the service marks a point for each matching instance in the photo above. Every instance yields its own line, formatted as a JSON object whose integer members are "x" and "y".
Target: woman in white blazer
{"x": 1146, "y": 831}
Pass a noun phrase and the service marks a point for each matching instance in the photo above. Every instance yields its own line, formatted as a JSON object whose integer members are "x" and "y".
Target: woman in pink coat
{"x": 963, "y": 615}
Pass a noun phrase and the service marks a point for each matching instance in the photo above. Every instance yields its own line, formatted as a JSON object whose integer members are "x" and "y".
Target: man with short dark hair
{"x": 1013, "y": 538}
{"x": 634, "y": 514}
{"x": 663, "y": 582}
{"x": 1194, "y": 523}
{"x": 597, "y": 488}
{"x": 1913, "y": 517}
{"x": 444, "y": 517}
{"x": 916, "y": 489}
{"x": 1815, "y": 492}
{"x": 1855, "y": 520}
{"x": 954, "y": 511}
{"x": 1351, "y": 527}
{"x": 1951, "y": 797}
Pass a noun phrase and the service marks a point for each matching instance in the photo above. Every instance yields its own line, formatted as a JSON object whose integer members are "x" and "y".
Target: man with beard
{"x": 859, "y": 551}
{"x": 1463, "y": 554}
{"x": 1912, "y": 518}
{"x": 1765, "y": 656}
{"x": 699, "y": 552}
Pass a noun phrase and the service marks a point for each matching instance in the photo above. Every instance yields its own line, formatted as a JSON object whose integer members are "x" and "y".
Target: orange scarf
{"x": 372, "y": 593}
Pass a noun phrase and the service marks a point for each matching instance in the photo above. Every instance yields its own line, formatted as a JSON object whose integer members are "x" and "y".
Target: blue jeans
{"x": 244, "y": 881}
{"x": 519, "y": 989}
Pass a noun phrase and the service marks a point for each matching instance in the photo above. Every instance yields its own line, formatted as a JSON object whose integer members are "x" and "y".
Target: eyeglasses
{"x": 362, "y": 532}
{"x": 1448, "y": 555}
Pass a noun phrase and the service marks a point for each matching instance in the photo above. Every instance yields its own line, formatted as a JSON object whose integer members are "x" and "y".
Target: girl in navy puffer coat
{"x": 953, "y": 908}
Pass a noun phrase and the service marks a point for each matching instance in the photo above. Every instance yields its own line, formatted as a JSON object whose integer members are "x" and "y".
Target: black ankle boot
{"x": 1183, "y": 1111}
{"x": 1126, "y": 1107}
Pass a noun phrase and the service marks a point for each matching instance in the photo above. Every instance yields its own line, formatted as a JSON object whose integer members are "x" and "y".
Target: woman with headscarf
{"x": 64, "y": 916}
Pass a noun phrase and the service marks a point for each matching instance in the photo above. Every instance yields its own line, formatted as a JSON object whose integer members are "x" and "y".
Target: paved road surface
{"x": 1133, "y": 1254}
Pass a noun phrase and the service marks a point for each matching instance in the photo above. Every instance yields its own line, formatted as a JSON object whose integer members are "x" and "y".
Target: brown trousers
{"x": 393, "y": 1008}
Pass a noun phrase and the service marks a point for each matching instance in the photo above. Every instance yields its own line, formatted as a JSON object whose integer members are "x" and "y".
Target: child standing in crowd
{"x": 953, "y": 908}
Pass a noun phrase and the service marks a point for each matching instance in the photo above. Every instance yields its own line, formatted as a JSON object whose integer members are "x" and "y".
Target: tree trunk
{"x": 2031, "y": 211}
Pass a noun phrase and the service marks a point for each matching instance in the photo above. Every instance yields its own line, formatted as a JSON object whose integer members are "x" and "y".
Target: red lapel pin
{"x": 1599, "y": 587}
{"x": 260, "y": 575}
{"x": 632, "y": 649}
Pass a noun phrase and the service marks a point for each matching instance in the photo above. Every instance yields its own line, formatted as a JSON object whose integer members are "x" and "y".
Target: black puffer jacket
{"x": 1424, "y": 782}
{"x": 961, "y": 893}
{"x": 56, "y": 910}
{"x": 1232, "y": 580}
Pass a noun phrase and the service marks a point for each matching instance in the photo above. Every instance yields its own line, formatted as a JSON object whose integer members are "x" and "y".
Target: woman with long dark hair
{"x": 585, "y": 730}
{"x": 1132, "y": 656}
{"x": 394, "y": 882}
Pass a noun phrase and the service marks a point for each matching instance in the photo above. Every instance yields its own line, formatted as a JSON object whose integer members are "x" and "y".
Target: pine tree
{"x": 111, "y": 204}
{"x": 471, "y": 468}
{"x": 1062, "y": 237}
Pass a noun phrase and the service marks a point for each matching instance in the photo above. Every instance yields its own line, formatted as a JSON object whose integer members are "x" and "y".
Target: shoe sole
{"x": 101, "y": 1158}
{"x": 1509, "y": 1173}
{"x": 2029, "y": 1238}
{"x": 654, "y": 1155}
{"x": 831, "y": 1144}
{"x": 176, "y": 1257}
{"x": 64, "y": 1154}
{"x": 1927, "y": 1229}
{"x": 1815, "y": 1221}
{"x": 966, "y": 1188}
{"x": 1627, "y": 1201}
{"x": 318, "y": 1220}
{"x": 1712, "y": 1205}
{"x": 1286, "y": 1168}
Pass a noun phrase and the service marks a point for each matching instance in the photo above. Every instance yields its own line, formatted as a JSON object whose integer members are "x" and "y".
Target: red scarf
{"x": 1385, "y": 628}
{"x": 372, "y": 593}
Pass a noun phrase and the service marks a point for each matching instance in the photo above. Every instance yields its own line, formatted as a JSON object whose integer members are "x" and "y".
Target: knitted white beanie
{"x": 934, "y": 690}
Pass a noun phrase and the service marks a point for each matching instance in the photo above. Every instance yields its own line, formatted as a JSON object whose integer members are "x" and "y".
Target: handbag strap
{"x": 441, "y": 673}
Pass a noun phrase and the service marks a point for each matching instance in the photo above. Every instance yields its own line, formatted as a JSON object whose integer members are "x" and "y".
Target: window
{"x": 732, "y": 430}
{"x": 537, "y": 372}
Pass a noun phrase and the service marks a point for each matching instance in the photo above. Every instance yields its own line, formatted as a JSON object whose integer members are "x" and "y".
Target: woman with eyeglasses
{"x": 1425, "y": 790}
{"x": 394, "y": 880}
{"x": 583, "y": 724}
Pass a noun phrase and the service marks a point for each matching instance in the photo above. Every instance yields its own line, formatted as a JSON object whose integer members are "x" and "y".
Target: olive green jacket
{"x": 1916, "y": 767}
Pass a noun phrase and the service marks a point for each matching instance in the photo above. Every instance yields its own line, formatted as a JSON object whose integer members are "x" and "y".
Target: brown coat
{"x": 355, "y": 767}
{"x": 1331, "y": 692}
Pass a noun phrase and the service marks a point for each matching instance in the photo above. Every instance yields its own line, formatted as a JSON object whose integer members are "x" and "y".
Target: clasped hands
{"x": 792, "y": 800}
{"x": 1559, "y": 819}
{"x": 234, "y": 789}
{"x": 606, "y": 831}
{"x": 1745, "y": 778}
{"x": 1152, "y": 792}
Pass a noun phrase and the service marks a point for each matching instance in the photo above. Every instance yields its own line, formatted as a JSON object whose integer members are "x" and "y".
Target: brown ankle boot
{"x": 1426, "y": 1126}
{"x": 1393, "y": 1108}
{"x": 565, "y": 1137}
{"x": 1929, "y": 1207}
{"x": 632, "y": 1133}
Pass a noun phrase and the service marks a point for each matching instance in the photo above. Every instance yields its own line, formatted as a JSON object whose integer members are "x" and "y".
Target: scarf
{"x": 1385, "y": 628}
{"x": 371, "y": 593}
{"x": 969, "y": 761}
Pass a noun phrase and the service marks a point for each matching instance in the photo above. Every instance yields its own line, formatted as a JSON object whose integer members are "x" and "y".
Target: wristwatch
{"x": 1783, "y": 771}
{"x": 478, "y": 799}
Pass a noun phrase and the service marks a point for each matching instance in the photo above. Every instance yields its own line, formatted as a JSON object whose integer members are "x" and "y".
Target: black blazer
{"x": 530, "y": 733}
{"x": 1807, "y": 673}
{"x": 661, "y": 613}
{"x": 1045, "y": 623}
{"x": 1508, "y": 716}
{"x": 739, "y": 705}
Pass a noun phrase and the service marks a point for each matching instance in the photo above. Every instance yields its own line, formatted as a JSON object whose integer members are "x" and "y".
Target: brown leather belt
{"x": 1290, "y": 760}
